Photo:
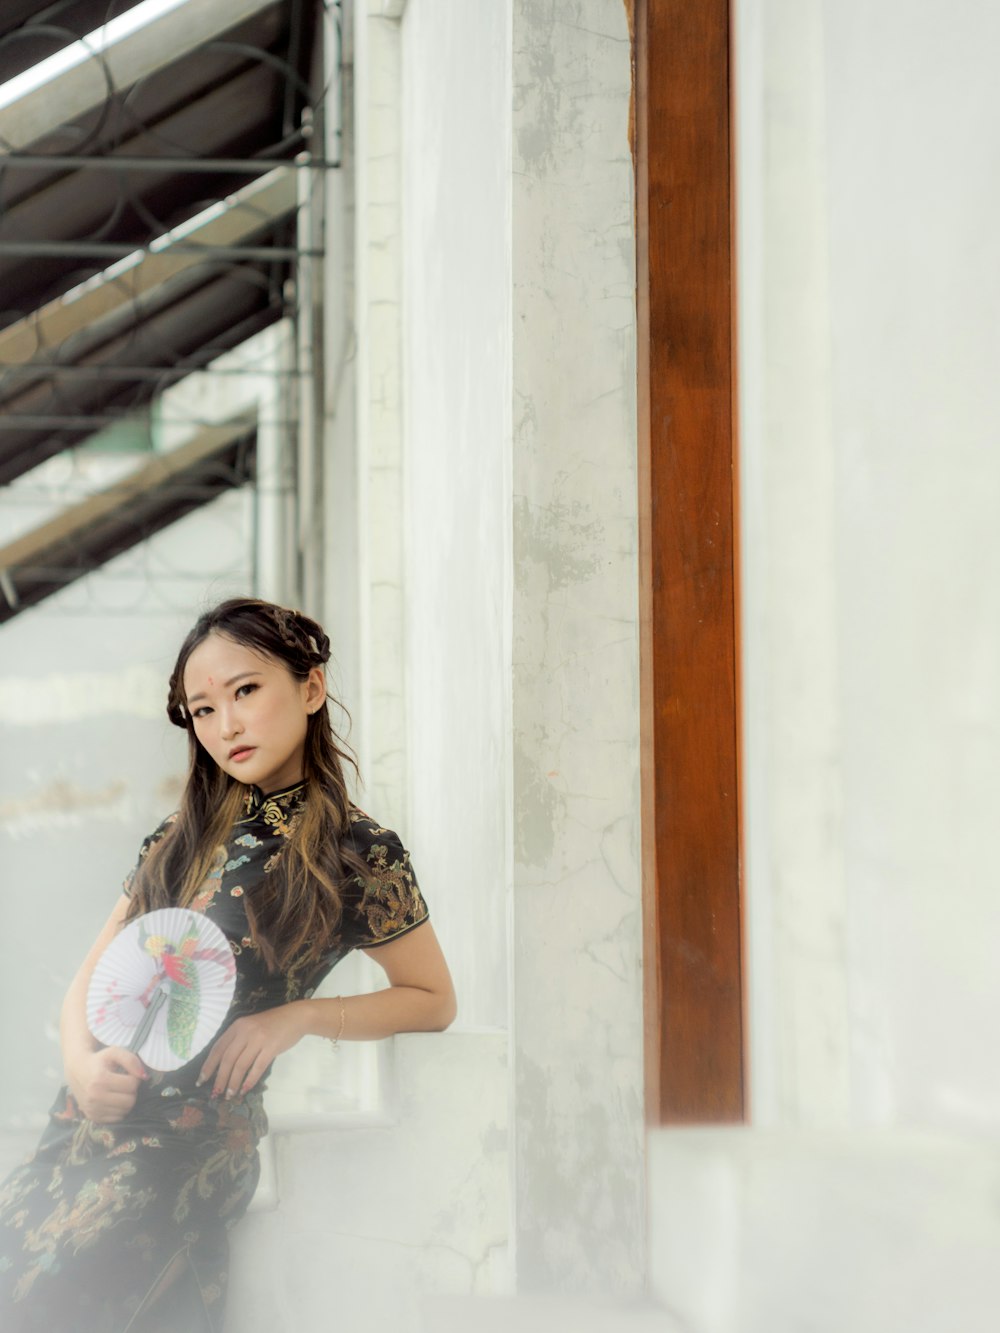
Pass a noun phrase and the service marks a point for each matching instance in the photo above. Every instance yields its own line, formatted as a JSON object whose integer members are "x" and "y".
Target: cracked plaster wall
{"x": 577, "y": 930}
{"x": 387, "y": 1213}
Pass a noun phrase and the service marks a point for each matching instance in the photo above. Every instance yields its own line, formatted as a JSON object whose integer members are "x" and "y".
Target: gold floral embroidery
{"x": 81, "y": 1221}
{"x": 230, "y": 1170}
{"x": 212, "y": 883}
{"x": 190, "y": 1118}
{"x": 279, "y": 810}
{"x": 392, "y": 901}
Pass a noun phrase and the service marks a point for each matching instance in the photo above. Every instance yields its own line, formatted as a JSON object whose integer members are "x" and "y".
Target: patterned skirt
{"x": 124, "y": 1228}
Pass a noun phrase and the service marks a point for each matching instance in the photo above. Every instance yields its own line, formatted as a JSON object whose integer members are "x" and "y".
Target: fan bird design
{"x": 171, "y": 960}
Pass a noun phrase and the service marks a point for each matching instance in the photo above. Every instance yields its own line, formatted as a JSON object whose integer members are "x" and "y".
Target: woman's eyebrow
{"x": 226, "y": 686}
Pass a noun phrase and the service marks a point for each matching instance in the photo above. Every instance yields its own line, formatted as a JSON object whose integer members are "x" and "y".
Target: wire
{"x": 100, "y": 376}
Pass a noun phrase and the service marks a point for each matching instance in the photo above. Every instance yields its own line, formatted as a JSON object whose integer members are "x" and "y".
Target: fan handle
{"x": 156, "y": 1003}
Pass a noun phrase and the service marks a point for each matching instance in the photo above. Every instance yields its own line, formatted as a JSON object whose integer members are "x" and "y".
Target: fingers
{"x": 214, "y": 1056}
{"x": 232, "y": 1048}
{"x": 245, "y": 1050}
{"x": 110, "y": 1097}
{"x": 237, "y": 1060}
{"x": 242, "y": 1076}
{"x": 234, "y": 1067}
{"x": 118, "y": 1070}
{"x": 254, "y": 1074}
{"x": 103, "y": 1091}
{"x": 111, "y": 1084}
{"x": 127, "y": 1061}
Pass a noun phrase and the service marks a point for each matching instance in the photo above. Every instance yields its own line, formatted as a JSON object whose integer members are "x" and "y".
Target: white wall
{"x": 577, "y": 914}
{"x": 380, "y": 1211}
{"x": 457, "y": 350}
{"x": 863, "y": 1230}
{"x": 521, "y": 588}
{"x": 915, "y": 346}
{"x": 379, "y": 436}
{"x": 871, "y": 479}
{"x": 864, "y": 1195}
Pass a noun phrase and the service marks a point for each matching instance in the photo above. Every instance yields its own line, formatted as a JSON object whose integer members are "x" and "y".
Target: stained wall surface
{"x": 577, "y": 935}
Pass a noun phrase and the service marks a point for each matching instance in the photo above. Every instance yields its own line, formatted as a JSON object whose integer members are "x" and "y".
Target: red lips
{"x": 241, "y": 751}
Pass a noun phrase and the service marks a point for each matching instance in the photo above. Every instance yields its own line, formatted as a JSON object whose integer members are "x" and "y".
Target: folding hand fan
{"x": 162, "y": 987}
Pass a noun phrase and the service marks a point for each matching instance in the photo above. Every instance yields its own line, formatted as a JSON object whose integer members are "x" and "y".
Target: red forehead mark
{"x": 211, "y": 681}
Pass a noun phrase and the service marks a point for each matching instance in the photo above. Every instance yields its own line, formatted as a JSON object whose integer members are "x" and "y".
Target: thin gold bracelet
{"x": 335, "y": 1041}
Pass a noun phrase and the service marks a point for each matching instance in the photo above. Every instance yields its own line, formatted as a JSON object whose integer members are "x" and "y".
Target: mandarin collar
{"x": 273, "y": 804}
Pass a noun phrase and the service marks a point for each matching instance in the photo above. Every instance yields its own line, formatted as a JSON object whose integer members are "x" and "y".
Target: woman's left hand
{"x": 247, "y": 1047}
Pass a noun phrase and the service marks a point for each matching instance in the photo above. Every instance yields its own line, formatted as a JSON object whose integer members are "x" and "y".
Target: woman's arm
{"x": 103, "y": 1079}
{"x": 420, "y": 998}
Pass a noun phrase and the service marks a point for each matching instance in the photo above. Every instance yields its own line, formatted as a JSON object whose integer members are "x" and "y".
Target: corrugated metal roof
{"x": 87, "y": 535}
{"x": 90, "y": 201}
{"x": 30, "y": 31}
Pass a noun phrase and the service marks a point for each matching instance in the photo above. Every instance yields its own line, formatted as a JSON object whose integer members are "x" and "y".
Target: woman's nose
{"x": 231, "y": 725}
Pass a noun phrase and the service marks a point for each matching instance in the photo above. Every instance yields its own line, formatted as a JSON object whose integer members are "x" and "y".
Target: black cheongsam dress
{"x": 124, "y": 1228}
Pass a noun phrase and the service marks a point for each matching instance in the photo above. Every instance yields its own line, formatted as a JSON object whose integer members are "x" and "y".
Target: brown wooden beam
{"x": 687, "y": 466}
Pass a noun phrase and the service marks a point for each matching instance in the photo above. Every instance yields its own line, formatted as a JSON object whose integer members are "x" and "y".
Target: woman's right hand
{"x": 105, "y": 1083}
{"x": 104, "y": 1080}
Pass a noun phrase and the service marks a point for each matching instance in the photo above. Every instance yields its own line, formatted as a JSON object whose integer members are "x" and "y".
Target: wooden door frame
{"x": 689, "y": 590}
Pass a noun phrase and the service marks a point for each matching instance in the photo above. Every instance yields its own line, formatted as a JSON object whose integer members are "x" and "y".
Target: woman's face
{"x": 249, "y": 712}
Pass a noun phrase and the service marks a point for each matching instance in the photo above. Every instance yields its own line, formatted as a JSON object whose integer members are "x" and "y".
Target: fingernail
{"x": 229, "y": 1094}
{"x": 216, "y": 1092}
{"x": 201, "y": 1080}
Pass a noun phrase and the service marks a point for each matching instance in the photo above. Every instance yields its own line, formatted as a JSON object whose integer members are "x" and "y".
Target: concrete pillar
{"x": 577, "y": 1006}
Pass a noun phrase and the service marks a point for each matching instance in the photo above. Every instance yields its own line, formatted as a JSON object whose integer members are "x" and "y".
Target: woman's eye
{"x": 204, "y": 710}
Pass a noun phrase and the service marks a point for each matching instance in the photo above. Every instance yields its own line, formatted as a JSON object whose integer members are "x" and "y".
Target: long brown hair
{"x": 296, "y": 911}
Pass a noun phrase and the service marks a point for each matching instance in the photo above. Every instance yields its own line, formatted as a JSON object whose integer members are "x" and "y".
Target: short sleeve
{"x": 388, "y": 903}
{"x": 150, "y": 840}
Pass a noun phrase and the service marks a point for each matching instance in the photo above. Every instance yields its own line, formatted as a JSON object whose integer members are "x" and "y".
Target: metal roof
{"x": 30, "y": 31}
{"x": 148, "y": 197}
{"x": 88, "y": 534}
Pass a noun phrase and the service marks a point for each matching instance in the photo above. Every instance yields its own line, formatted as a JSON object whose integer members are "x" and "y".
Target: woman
{"x": 118, "y": 1222}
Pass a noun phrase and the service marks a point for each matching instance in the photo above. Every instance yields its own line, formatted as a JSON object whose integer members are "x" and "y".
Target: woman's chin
{"x": 247, "y": 771}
